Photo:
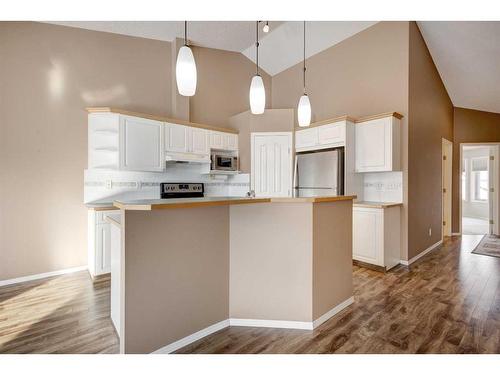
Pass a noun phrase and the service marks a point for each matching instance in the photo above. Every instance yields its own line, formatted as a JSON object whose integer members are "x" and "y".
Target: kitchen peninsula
{"x": 190, "y": 267}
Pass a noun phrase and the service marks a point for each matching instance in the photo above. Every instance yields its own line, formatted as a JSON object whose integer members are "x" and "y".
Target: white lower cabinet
{"x": 376, "y": 236}
{"x": 116, "y": 277}
{"x": 99, "y": 243}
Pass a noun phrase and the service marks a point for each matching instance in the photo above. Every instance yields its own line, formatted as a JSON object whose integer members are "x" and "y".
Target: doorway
{"x": 479, "y": 188}
{"x": 446, "y": 173}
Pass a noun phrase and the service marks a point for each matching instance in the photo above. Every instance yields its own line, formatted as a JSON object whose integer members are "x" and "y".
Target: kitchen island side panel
{"x": 176, "y": 274}
{"x": 271, "y": 261}
{"x": 332, "y": 255}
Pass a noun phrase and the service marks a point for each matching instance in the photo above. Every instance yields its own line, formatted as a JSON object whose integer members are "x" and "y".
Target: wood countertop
{"x": 158, "y": 204}
{"x": 376, "y": 204}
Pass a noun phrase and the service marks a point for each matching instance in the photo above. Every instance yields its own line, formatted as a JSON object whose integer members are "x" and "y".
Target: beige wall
{"x": 430, "y": 119}
{"x": 48, "y": 75}
{"x": 332, "y": 255}
{"x": 272, "y": 120}
{"x": 363, "y": 75}
{"x": 469, "y": 126}
{"x": 223, "y": 86}
{"x": 175, "y": 283}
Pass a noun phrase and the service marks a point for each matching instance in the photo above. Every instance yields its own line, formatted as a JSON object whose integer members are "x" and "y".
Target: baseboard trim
{"x": 425, "y": 252}
{"x": 170, "y": 348}
{"x": 456, "y": 234}
{"x": 23, "y": 279}
{"x": 264, "y": 323}
{"x": 330, "y": 314}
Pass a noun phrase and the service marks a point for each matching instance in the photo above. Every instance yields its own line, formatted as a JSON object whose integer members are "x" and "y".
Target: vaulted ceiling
{"x": 466, "y": 54}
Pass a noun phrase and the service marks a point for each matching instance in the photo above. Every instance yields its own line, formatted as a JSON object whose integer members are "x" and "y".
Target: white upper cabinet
{"x": 230, "y": 142}
{"x": 176, "y": 138}
{"x": 377, "y": 144}
{"x": 318, "y": 137}
{"x": 141, "y": 144}
{"x": 222, "y": 141}
{"x": 198, "y": 141}
{"x": 216, "y": 140}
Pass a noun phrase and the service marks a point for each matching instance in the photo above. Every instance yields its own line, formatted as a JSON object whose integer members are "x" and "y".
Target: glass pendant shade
{"x": 257, "y": 95}
{"x": 304, "y": 111}
{"x": 185, "y": 72}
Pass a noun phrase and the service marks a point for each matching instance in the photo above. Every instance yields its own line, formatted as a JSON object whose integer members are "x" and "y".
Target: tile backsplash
{"x": 383, "y": 187}
{"x": 107, "y": 185}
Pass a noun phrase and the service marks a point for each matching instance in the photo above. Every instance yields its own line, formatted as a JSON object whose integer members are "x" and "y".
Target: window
{"x": 479, "y": 179}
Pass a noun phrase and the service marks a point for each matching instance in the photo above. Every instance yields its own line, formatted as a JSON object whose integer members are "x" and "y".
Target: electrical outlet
{"x": 430, "y": 232}
{"x": 109, "y": 184}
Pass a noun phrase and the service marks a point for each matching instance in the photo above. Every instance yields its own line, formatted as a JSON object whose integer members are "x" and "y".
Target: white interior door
{"x": 271, "y": 164}
{"x": 493, "y": 180}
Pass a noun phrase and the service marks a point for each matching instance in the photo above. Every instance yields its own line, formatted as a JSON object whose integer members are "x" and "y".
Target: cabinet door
{"x": 230, "y": 141}
{"x": 373, "y": 148}
{"x": 116, "y": 276}
{"x": 368, "y": 231}
{"x": 141, "y": 142}
{"x": 332, "y": 134}
{"x": 216, "y": 140}
{"x": 198, "y": 142}
{"x": 176, "y": 138}
{"x": 103, "y": 249}
{"x": 306, "y": 138}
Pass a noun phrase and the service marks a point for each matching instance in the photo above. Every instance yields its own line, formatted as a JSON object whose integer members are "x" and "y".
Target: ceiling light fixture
{"x": 266, "y": 27}
{"x": 304, "y": 107}
{"x": 185, "y": 69}
{"x": 257, "y": 91}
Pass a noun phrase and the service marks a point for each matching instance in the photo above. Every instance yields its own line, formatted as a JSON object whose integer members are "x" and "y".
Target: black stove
{"x": 181, "y": 190}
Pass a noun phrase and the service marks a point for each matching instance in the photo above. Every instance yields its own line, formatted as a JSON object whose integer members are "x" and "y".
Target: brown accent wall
{"x": 272, "y": 120}
{"x": 469, "y": 126}
{"x": 48, "y": 75}
{"x": 363, "y": 75}
{"x": 176, "y": 283}
{"x": 430, "y": 118}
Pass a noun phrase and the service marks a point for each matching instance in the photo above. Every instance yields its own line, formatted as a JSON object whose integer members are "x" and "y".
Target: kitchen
{"x": 328, "y": 174}
{"x": 220, "y": 188}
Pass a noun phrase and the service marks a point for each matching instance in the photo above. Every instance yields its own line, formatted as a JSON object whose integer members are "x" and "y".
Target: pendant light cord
{"x": 257, "y": 45}
{"x": 185, "y": 33}
{"x": 304, "y": 58}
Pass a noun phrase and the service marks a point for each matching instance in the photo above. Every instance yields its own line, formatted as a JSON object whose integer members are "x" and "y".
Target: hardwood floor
{"x": 61, "y": 314}
{"x": 447, "y": 302}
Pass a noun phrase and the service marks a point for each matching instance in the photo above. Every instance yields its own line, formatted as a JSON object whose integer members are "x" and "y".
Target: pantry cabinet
{"x": 377, "y": 145}
{"x": 376, "y": 235}
{"x": 319, "y": 137}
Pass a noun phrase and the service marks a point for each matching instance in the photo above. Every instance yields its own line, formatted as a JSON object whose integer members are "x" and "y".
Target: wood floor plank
{"x": 447, "y": 302}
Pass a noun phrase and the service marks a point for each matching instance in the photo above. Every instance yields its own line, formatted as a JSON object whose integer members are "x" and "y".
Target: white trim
{"x": 41, "y": 275}
{"x": 456, "y": 234}
{"x": 192, "y": 338}
{"x": 425, "y": 252}
{"x": 263, "y": 323}
{"x": 329, "y": 314}
{"x": 293, "y": 324}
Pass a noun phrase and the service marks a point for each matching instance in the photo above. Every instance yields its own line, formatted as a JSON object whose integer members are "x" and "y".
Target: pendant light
{"x": 185, "y": 69}
{"x": 304, "y": 107}
{"x": 257, "y": 91}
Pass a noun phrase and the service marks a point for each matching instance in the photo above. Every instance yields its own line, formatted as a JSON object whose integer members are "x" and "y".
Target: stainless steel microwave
{"x": 221, "y": 162}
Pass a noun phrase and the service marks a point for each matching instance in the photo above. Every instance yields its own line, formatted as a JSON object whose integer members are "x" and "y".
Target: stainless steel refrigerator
{"x": 319, "y": 172}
